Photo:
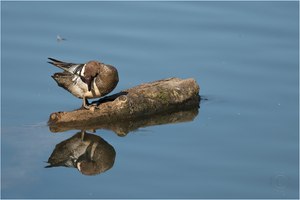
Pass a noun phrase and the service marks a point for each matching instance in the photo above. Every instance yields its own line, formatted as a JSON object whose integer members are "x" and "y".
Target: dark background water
{"x": 244, "y": 142}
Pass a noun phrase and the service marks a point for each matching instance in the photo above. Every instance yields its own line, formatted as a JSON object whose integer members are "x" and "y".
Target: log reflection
{"x": 89, "y": 153}
{"x": 123, "y": 127}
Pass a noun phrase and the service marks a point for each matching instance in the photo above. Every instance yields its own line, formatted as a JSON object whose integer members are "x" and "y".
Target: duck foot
{"x": 85, "y": 104}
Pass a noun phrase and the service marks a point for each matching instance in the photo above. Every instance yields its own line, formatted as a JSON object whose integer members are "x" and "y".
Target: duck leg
{"x": 82, "y": 134}
{"x": 85, "y": 103}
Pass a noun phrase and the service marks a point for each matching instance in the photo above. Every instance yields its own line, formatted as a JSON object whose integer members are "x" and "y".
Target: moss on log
{"x": 148, "y": 99}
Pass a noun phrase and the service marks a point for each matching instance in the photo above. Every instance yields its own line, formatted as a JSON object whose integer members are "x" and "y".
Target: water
{"x": 244, "y": 55}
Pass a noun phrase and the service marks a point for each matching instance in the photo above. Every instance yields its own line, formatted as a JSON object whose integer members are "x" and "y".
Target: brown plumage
{"x": 86, "y": 81}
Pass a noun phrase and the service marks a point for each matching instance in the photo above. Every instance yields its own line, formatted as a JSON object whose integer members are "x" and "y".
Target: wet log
{"x": 159, "y": 97}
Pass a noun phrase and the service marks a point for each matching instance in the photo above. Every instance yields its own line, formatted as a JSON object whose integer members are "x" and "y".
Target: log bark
{"x": 148, "y": 99}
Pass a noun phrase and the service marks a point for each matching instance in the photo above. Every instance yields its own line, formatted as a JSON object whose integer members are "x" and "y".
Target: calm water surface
{"x": 243, "y": 143}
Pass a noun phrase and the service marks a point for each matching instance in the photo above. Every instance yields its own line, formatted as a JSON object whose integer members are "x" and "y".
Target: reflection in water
{"x": 123, "y": 127}
{"x": 92, "y": 155}
{"x": 89, "y": 153}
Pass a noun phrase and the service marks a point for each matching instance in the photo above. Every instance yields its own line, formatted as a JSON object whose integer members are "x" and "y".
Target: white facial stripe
{"x": 97, "y": 92}
{"x": 93, "y": 149}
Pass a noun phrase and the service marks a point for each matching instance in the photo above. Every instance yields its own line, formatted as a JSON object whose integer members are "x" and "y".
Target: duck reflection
{"x": 92, "y": 155}
{"x": 87, "y": 152}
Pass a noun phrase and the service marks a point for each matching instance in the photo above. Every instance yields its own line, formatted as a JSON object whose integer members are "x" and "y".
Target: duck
{"x": 90, "y": 80}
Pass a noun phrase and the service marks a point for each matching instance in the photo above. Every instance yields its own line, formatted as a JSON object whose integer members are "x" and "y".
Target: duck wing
{"x": 69, "y": 67}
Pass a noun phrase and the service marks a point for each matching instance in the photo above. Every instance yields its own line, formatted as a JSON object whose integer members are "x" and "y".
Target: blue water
{"x": 244, "y": 143}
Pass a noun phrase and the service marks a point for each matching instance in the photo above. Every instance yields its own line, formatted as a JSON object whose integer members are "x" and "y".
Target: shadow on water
{"x": 92, "y": 155}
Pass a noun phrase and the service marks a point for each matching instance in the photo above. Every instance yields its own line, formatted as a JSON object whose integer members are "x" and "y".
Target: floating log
{"x": 137, "y": 103}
